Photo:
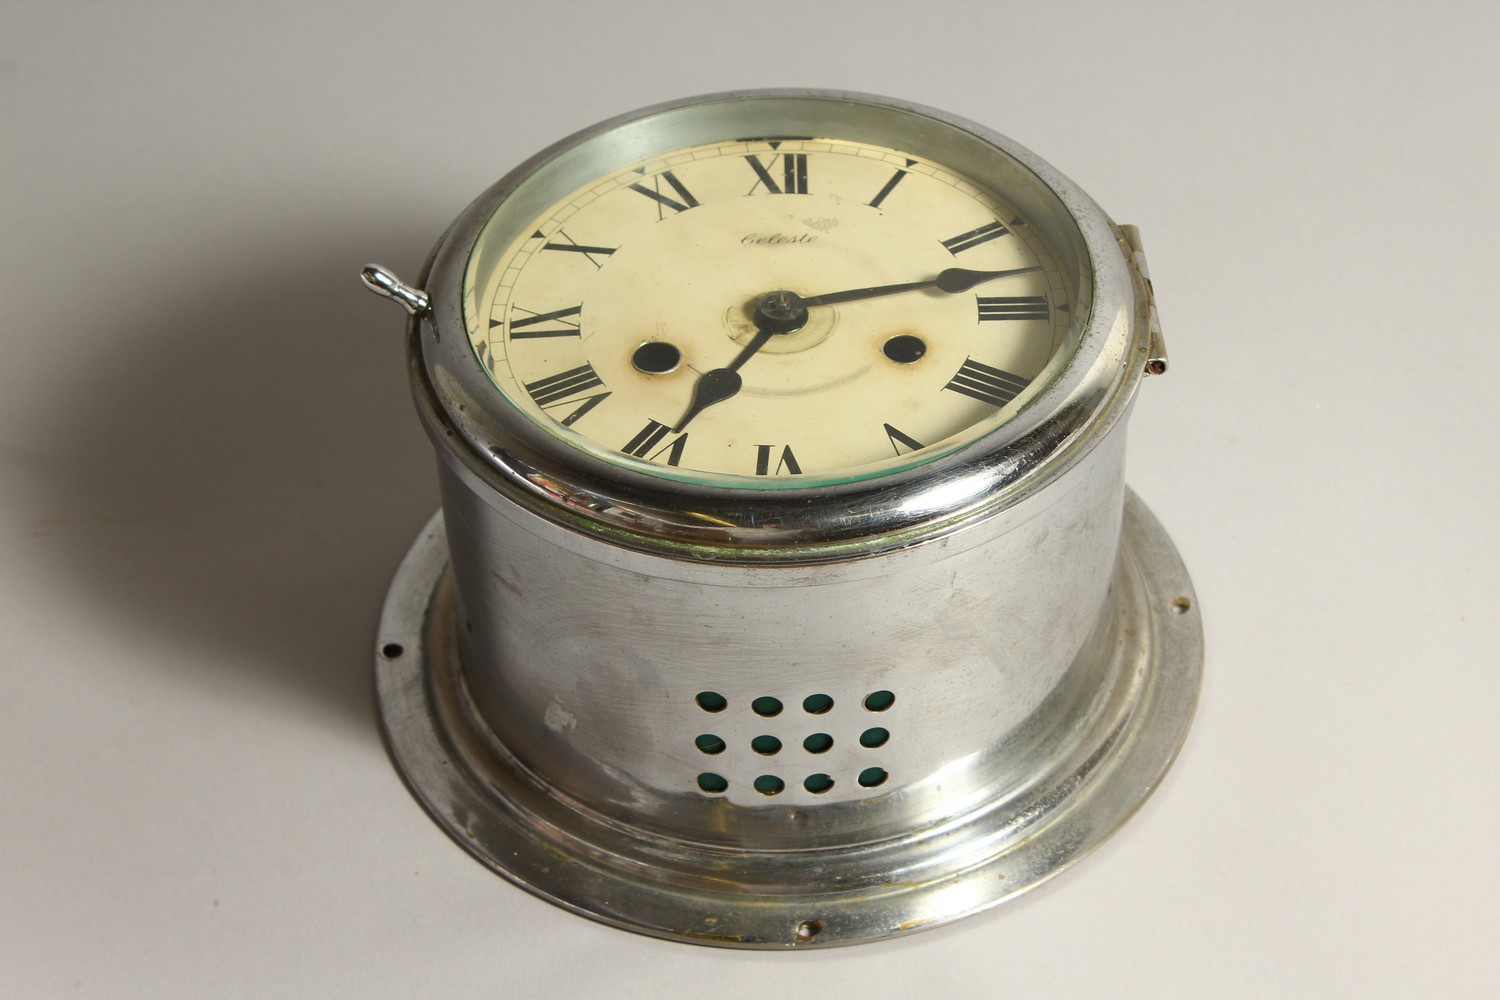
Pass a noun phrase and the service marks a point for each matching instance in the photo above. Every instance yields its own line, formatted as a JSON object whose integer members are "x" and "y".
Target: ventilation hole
{"x": 1182, "y": 606}
{"x": 874, "y": 737}
{"x": 817, "y": 783}
{"x": 766, "y": 706}
{"x": 765, "y": 745}
{"x": 710, "y": 782}
{"x": 769, "y": 784}
{"x": 879, "y": 701}
{"x": 709, "y": 743}
{"x": 870, "y": 777}
{"x": 391, "y": 650}
{"x": 818, "y": 743}
{"x": 816, "y": 704}
{"x": 711, "y": 701}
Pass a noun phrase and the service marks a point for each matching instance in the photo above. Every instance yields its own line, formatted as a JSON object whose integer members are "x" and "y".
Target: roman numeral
{"x": 667, "y": 201}
{"x": 1002, "y": 307}
{"x": 989, "y": 385}
{"x": 567, "y": 388}
{"x": 793, "y": 173}
{"x": 573, "y": 246}
{"x": 763, "y": 461}
{"x": 640, "y": 446}
{"x": 486, "y": 358}
{"x": 967, "y": 241}
{"x": 898, "y": 439}
{"x": 890, "y": 186}
{"x": 775, "y": 141}
{"x": 568, "y": 328}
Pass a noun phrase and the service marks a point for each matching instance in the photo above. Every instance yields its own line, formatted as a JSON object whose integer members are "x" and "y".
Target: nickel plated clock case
{"x": 786, "y": 591}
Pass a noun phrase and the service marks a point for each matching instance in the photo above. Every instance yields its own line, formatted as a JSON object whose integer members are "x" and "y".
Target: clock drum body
{"x": 799, "y": 711}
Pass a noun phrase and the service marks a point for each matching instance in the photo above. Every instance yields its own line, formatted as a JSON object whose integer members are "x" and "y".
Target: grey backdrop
{"x": 211, "y": 468}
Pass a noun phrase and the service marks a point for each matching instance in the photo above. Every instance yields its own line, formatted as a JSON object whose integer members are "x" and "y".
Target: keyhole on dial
{"x": 905, "y": 349}
{"x": 656, "y": 357}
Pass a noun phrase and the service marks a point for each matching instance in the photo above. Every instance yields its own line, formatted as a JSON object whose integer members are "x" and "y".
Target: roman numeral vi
{"x": 763, "y": 461}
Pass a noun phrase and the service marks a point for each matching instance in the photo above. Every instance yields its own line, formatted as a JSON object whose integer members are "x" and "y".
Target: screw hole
{"x": 817, "y": 783}
{"x": 766, "y": 706}
{"x": 818, "y": 743}
{"x": 816, "y": 704}
{"x": 874, "y": 737}
{"x": 709, "y": 743}
{"x": 711, "y": 701}
{"x": 765, "y": 745}
{"x": 391, "y": 650}
{"x": 769, "y": 784}
{"x": 879, "y": 701}
{"x": 1182, "y": 606}
{"x": 713, "y": 783}
{"x": 872, "y": 777}
{"x": 808, "y": 929}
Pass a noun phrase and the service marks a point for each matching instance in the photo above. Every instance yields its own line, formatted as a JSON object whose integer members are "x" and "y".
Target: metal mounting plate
{"x": 769, "y": 900}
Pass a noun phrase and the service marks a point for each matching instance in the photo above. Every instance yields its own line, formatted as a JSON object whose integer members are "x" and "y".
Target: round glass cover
{"x": 772, "y": 311}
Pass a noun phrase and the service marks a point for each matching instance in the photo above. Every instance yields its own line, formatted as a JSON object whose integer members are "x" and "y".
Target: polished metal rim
{"x": 610, "y": 497}
{"x": 790, "y": 899}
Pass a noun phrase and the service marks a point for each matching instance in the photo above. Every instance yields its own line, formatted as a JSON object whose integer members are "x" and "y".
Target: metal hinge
{"x": 1156, "y": 360}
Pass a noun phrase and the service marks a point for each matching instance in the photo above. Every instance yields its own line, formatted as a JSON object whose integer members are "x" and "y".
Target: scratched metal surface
{"x": 210, "y": 468}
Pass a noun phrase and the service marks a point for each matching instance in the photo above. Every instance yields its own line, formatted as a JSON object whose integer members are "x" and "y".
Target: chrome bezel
{"x": 490, "y": 439}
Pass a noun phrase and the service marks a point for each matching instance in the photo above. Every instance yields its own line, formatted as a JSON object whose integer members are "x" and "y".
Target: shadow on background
{"x": 239, "y": 469}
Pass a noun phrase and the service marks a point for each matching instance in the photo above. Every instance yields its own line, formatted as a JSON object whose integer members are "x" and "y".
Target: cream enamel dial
{"x": 629, "y": 319}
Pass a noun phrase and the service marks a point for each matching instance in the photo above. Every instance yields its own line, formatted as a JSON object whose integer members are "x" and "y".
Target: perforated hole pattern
{"x": 766, "y": 746}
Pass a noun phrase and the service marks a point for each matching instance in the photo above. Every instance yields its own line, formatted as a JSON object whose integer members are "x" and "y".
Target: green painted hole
{"x": 816, "y": 704}
{"x": 765, "y": 745}
{"x": 879, "y": 701}
{"x": 874, "y": 737}
{"x": 817, "y": 783}
{"x": 766, "y": 706}
{"x": 710, "y": 782}
{"x": 709, "y": 743}
{"x": 870, "y": 777}
{"x": 769, "y": 784}
{"x": 818, "y": 743}
{"x": 711, "y": 701}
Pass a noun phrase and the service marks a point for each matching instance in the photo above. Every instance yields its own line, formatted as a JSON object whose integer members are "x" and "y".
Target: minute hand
{"x": 953, "y": 279}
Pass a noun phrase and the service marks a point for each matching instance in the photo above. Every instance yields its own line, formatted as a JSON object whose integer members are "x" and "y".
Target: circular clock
{"x": 786, "y": 590}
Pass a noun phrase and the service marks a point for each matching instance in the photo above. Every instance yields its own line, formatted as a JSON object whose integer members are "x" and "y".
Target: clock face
{"x": 770, "y": 312}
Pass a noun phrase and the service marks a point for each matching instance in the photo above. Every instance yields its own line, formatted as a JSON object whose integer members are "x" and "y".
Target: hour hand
{"x": 713, "y": 387}
{"x": 719, "y": 384}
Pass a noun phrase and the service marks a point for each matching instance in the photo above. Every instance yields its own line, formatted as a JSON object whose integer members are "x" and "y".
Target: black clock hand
{"x": 953, "y": 279}
{"x": 777, "y": 312}
{"x": 721, "y": 383}
{"x": 786, "y": 312}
